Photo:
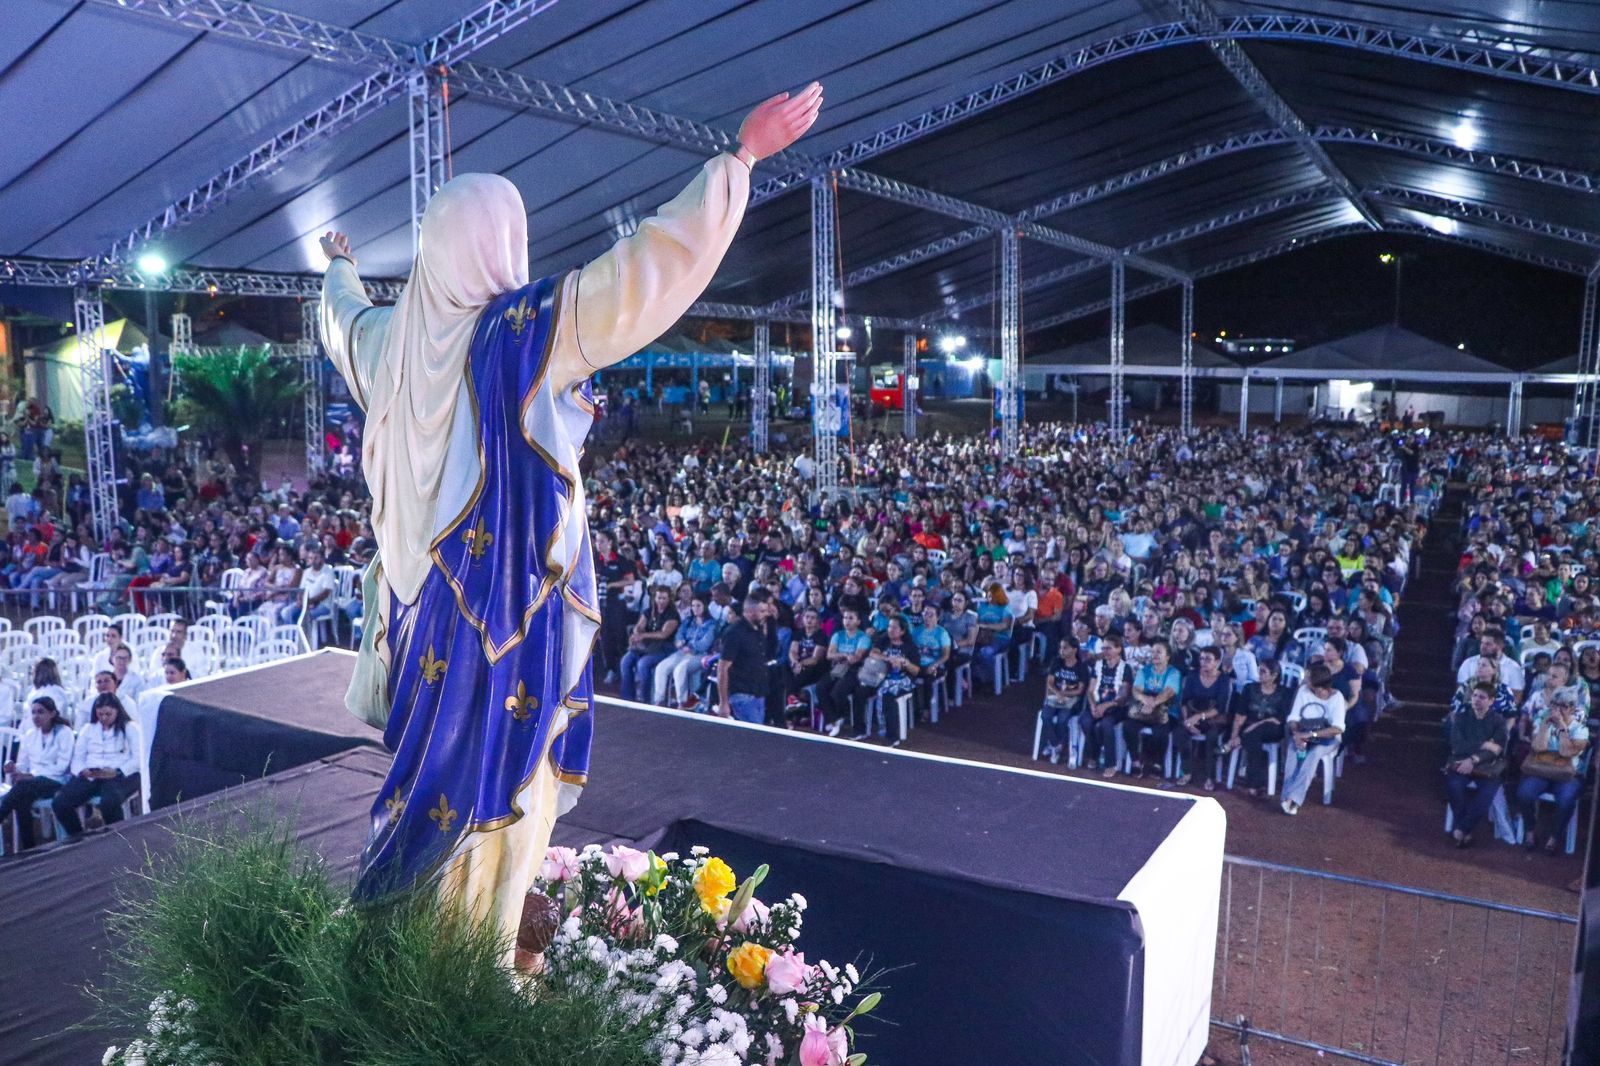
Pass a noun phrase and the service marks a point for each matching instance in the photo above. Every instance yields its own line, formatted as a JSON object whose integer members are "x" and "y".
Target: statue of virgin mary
{"x": 480, "y": 606}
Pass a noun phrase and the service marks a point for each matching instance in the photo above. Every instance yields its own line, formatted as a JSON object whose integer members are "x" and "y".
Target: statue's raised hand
{"x": 336, "y": 246}
{"x": 777, "y": 123}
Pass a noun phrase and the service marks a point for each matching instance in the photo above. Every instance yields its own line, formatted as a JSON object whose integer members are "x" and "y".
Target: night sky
{"x": 1517, "y": 315}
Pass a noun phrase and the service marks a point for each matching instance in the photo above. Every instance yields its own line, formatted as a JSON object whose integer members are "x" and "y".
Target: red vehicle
{"x": 888, "y": 388}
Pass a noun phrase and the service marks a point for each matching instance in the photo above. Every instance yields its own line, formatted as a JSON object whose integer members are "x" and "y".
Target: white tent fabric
{"x": 1146, "y": 345}
{"x": 1380, "y": 351}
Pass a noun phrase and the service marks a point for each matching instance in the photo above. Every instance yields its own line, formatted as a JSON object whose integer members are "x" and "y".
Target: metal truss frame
{"x": 910, "y": 386}
{"x": 1479, "y": 213}
{"x": 761, "y": 388}
{"x": 309, "y": 351}
{"x": 89, "y": 314}
{"x": 1199, "y": 15}
{"x": 1482, "y": 162}
{"x": 1316, "y": 194}
{"x": 1503, "y": 59}
{"x": 1010, "y": 342}
{"x": 1295, "y": 244}
{"x": 1186, "y": 362}
{"x": 62, "y": 273}
{"x": 1586, "y": 395}
{"x": 396, "y": 62}
{"x": 824, "y": 347}
{"x": 425, "y": 97}
{"x": 1118, "y": 400}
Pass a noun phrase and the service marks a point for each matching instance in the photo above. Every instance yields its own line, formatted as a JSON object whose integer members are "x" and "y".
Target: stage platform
{"x": 1031, "y": 918}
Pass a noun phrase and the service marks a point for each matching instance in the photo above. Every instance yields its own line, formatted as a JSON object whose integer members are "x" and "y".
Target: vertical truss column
{"x": 1244, "y": 403}
{"x": 825, "y": 420}
{"x": 1514, "y": 410}
{"x": 89, "y": 314}
{"x": 1010, "y": 342}
{"x": 761, "y": 388}
{"x": 427, "y": 145}
{"x": 1277, "y": 402}
{"x": 1186, "y": 376}
{"x": 310, "y": 352}
{"x": 910, "y": 385}
{"x": 182, "y": 334}
{"x": 1584, "y": 397}
{"x": 1119, "y": 310}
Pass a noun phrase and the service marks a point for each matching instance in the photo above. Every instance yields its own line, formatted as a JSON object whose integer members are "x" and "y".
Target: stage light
{"x": 152, "y": 263}
{"x": 844, "y": 333}
{"x": 1441, "y": 224}
{"x": 1461, "y": 347}
{"x": 1465, "y": 135}
{"x": 947, "y": 345}
{"x": 1386, "y": 258}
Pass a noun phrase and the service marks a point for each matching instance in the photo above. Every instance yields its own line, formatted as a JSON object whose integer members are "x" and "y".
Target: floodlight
{"x": 152, "y": 263}
{"x": 844, "y": 333}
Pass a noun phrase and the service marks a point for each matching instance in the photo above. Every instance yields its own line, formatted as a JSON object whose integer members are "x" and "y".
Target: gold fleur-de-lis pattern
{"x": 432, "y": 667}
{"x": 444, "y": 814}
{"x": 522, "y": 705}
{"x": 520, "y": 315}
{"x": 395, "y": 803}
{"x": 477, "y": 539}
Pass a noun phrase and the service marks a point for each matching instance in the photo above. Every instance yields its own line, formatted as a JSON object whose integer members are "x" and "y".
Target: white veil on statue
{"x": 472, "y": 247}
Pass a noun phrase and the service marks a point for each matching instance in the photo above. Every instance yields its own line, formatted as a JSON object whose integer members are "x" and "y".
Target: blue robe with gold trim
{"x": 489, "y": 670}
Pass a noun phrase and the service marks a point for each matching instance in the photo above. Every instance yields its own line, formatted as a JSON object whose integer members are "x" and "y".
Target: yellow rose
{"x": 712, "y": 882}
{"x": 748, "y": 964}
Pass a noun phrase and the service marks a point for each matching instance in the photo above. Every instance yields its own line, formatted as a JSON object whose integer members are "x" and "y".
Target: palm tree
{"x": 235, "y": 397}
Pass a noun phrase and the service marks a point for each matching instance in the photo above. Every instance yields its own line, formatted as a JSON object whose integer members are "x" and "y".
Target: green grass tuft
{"x": 282, "y": 969}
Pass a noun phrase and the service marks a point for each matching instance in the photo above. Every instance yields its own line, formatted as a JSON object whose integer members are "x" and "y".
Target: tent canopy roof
{"x": 1145, "y": 345}
{"x": 1089, "y": 101}
{"x": 1382, "y": 348}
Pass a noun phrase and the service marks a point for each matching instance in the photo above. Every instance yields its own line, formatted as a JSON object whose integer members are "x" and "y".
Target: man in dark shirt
{"x": 743, "y": 676}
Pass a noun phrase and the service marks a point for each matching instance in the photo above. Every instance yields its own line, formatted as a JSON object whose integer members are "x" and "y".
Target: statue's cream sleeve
{"x": 633, "y": 293}
{"x": 353, "y": 330}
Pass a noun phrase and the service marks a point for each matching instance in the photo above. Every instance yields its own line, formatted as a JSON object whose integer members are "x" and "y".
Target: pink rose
{"x": 786, "y": 973}
{"x": 755, "y": 912}
{"x": 627, "y": 863}
{"x": 821, "y": 1046}
{"x": 560, "y": 864}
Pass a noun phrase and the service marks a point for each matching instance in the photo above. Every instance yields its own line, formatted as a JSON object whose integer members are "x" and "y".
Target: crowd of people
{"x": 1204, "y": 610}
{"x": 1189, "y": 597}
{"x": 1527, "y": 657}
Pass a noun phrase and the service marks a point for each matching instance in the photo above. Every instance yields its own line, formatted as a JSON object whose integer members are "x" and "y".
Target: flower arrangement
{"x": 693, "y": 956}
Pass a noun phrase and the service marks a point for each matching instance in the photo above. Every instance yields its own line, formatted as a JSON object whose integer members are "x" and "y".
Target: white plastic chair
{"x": 232, "y": 579}
{"x": 1328, "y": 755}
{"x": 272, "y": 650}
{"x": 39, "y": 625}
{"x": 1517, "y": 826}
{"x": 235, "y": 645}
{"x": 1273, "y": 752}
{"x": 292, "y": 633}
{"x": 131, "y": 623}
{"x": 257, "y": 625}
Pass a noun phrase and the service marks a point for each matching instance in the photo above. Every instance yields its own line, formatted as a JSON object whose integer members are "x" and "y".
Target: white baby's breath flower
{"x": 665, "y": 943}
{"x": 798, "y": 900}
{"x": 774, "y": 1049}
{"x": 791, "y": 1010}
{"x": 838, "y": 994}
{"x": 111, "y": 1053}
{"x": 699, "y": 850}
{"x": 669, "y": 856}
{"x": 693, "y": 1037}
{"x": 717, "y": 994}
{"x": 851, "y": 972}
{"x": 828, "y": 971}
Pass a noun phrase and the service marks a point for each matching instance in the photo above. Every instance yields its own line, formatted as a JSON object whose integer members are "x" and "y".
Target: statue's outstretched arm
{"x": 354, "y": 351}
{"x": 634, "y": 292}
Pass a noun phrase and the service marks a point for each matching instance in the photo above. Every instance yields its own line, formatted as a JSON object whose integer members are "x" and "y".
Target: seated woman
{"x": 899, "y": 654}
{"x": 994, "y": 629}
{"x": 1486, "y": 673}
{"x": 1203, "y": 714}
{"x": 1559, "y": 741}
{"x": 693, "y": 642}
{"x": 1153, "y": 705}
{"x": 840, "y": 691}
{"x": 42, "y": 766}
{"x": 1315, "y": 723}
{"x": 1258, "y": 716}
{"x": 105, "y": 763}
{"x": 1477, "y": 754}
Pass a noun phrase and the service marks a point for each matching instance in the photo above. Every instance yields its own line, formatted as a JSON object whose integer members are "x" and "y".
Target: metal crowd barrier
{"x": 1385, "y": 975}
